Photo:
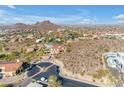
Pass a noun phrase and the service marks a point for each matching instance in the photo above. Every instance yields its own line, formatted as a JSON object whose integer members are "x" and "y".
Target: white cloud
{"x": 12, "y": 6}
{"x": 119, "y": 18}
{"x": 30, "y": 19}
{"x": 82, "y": 16}
{"x": 88, "y": 21}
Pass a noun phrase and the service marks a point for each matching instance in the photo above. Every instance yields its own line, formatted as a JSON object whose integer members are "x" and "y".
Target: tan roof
{"x": 10, "y": 67}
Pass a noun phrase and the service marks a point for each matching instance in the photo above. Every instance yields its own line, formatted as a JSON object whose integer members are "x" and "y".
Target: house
{"x": 56, "y": 49}
{"x": 31, "y": 49}
{"x": 30, "y": 36}
{"x": 9, "y": 68}
{"x": 49, "y": 32}
{"x": 40, "y": 40}
{"x": 115, "y": 60}
{"x": 58, "y": 34}
{"x": 48, "y": 46}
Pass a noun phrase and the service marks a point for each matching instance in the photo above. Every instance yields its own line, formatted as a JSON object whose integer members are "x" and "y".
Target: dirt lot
{"x": 85, "y": 57}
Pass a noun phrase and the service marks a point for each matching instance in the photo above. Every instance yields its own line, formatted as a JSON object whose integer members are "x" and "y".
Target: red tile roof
{"x": 61, "y": 47}
{"x": 10, "y": 67}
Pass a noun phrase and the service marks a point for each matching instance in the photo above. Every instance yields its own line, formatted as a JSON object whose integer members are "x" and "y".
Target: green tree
{"x": 15, "y": 53}
{"x": 53, "y": 81}
{"x": 1, "y": 48}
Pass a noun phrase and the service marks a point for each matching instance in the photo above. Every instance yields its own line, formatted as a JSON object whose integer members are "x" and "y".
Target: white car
{"x": 42, "y": 79}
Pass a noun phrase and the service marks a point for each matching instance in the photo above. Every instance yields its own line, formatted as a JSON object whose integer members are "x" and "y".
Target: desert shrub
{"x": 106, "y": 49}
{"x": 82, "y": 73}
{"x": 7, "y": 57}
{"x": 68, "y": 49}
{"x": 15, "y": 53}
{"x": 112, "y": 79}
{"x": 94, "y": 80}
{"x": 100, "y": 73}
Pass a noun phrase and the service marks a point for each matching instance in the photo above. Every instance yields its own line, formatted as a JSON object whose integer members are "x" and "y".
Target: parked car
{"x": 43, "y": 79}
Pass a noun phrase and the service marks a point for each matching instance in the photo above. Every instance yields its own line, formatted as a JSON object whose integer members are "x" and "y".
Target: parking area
{"x": 51, "y": 71}
{"x": 32, "y": 71}
{"x": 54, "y": 70}
{"x": 44, "y": 64}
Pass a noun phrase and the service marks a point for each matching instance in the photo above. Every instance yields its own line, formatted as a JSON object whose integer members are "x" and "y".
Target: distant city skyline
{"x": 30, "y": 14}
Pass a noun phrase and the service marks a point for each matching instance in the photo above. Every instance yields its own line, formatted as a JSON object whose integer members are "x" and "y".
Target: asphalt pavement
{"x": 54, "y": 70}
{"x": 44, "y": 64}
{"x": 32, "y": 71}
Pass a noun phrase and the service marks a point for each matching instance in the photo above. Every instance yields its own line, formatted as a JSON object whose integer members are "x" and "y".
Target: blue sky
{"x": 62, "y": 14}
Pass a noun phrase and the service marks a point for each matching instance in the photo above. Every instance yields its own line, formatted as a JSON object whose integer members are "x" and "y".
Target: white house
{"x": 115, "y": 60}
{"x": 40, "y": 40}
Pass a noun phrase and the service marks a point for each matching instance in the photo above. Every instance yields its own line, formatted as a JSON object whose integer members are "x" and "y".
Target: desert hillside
{"x": 85, "y": 57}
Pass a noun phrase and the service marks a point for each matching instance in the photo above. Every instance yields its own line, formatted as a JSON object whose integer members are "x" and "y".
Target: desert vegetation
{"x": 85, "y": 57}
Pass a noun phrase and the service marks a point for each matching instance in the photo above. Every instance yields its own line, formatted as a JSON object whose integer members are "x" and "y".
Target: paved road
{"x": 73, "y": 83}
{"x": 33, "y": 71}
{"x": 54, "y": 70}
{"x": 44, "y": 64}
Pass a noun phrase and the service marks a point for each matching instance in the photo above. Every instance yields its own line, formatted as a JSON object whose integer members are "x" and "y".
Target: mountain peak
{"x": 46, "y": 21}
{"x": 20, "y": 24}
{"x": 44, "y": 25}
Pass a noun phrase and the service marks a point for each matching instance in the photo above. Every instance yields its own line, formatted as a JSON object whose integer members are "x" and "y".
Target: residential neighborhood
{"x": 41, "y": 52}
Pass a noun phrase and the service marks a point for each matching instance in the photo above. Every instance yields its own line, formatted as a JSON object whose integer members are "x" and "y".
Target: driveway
{"x": 54, "y": 70}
